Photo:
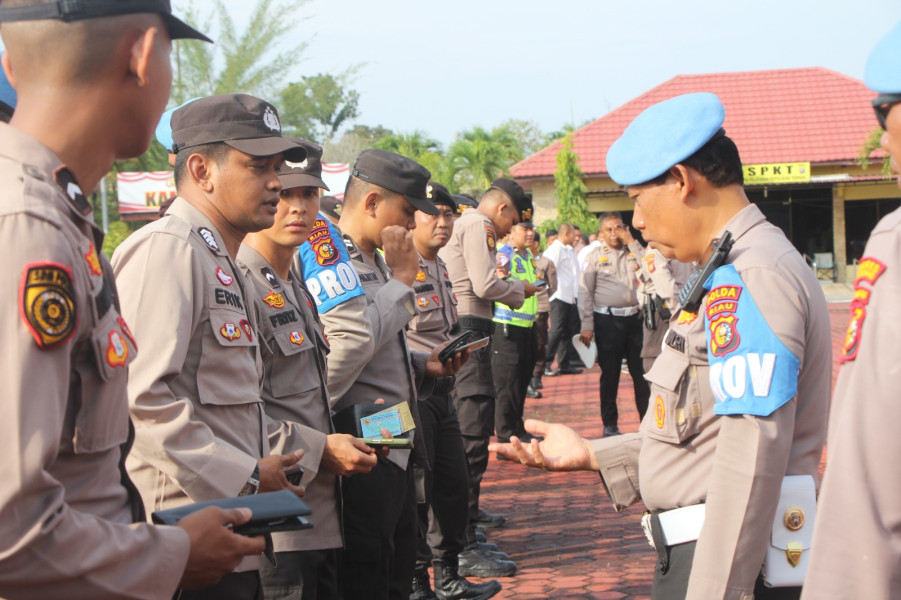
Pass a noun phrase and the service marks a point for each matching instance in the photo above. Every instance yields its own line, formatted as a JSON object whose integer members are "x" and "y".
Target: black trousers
{"x": 618, "y": 338}
{"x": 379, "y": 517}
{"x": 672, "y": 583}
{"x": 302, "y": 575}
{"x": 444, "y": 506}
{"x": 564, "y": 325}
{"x": 512, "y": 361}
{"x": 234, "y": 586}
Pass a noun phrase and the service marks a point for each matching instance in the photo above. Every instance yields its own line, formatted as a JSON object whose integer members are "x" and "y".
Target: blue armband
{"x": 751, "y": 370}
{"x": 327, "y": 268}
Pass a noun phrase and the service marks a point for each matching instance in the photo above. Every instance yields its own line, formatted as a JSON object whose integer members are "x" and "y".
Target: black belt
{"x": 476, "y": 324}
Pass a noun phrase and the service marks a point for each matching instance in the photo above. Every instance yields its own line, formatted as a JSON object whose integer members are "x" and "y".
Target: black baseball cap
{"x": 306, "y": 173}
{"x": 398, "y": 174}
{"x": 244, "y": 122}
{"x": 77, "y": 10}
{"x": 465, "y": 201}
{"x": 521, "y": 201}
{"x": 439, "y": 194}
{"x": 332, "y": 206}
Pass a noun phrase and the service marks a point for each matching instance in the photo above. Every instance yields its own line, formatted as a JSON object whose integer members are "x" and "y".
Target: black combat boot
{"x": 477, "y": 562}
{"x": 422, "y": 587}
{"x": 450, "y": 586}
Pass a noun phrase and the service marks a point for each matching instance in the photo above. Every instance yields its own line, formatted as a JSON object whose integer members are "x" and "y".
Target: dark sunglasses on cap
{"x": 883, "y": 105}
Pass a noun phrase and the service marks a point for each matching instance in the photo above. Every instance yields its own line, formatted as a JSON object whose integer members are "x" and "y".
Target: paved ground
{"x": 563, "y": 533}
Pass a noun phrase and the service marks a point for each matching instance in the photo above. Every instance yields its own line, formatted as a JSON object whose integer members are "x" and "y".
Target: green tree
{"x": 318, "y": 105}
{"x": 477, "y": 157}
{"x": 253, "y": 61}
{"x": 527, "y": 135}
{"x": 570, "y": 191}
{"x": 352, "y": 142}
{"x": 870, "y": 145}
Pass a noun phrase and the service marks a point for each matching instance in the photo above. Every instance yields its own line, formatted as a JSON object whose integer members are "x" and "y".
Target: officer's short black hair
{"x": 356, "y": 188}
{"x": 610, "y": 215}
{"x": 217, "y": 152}
{"x": 717, "y": 160}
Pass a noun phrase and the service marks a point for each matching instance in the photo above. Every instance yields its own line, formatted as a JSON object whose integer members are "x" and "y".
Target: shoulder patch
{"x": 47, "y": 303}
{"x": 751, "y": 370}
{"x": 328, "y": 273}
{"x": 491, "y": 236}
{"x": 270, "y": 277}
{"x": 209, "y": 238}
{"x": 868, "y": 271}
{"x": 66, "y": 181}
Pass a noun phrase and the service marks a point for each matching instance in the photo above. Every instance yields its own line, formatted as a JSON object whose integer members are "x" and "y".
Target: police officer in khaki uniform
{"x": 661, "y": 282}
{"x": 470, "y": 258}
{"x": 608, "y": 306}
{"x": 194, "y": 389}
{"x": 71, "y": 521}
{"x": 546, "y": 271}
{"x": 382, "y": 195}
{"x": 856, "y": 549}
{"x": 443, "y": 505}
{"x": 741, "y": 389}
{"x": 294, "y": 362}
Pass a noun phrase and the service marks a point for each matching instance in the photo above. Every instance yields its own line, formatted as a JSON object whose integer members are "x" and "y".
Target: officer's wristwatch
{"x": 253, "y": 483}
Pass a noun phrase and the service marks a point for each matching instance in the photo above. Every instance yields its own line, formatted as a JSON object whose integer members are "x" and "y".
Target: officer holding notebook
{"x": 383, "y": 193}
{"x": 740, "y": 392}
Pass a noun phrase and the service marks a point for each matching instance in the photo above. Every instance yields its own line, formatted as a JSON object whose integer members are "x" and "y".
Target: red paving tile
{"x": 565, "y": 537}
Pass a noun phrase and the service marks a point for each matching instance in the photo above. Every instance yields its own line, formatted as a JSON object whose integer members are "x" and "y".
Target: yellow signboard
{"x": 796, "y": 172}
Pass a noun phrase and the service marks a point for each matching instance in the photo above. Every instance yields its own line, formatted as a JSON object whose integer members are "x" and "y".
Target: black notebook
{"x": 272, "y": 511}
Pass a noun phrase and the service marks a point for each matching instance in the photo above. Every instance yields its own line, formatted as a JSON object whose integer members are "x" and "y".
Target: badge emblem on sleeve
{"x": 93, "y": 261}
{"x": 325, "y": 252}
{"x": 868, "y": 271}
{"x": 230, "y": 331}
{"x": 117, "y": 352}
{"x": 47, "y": 303}
{"x": 491, "y": 236}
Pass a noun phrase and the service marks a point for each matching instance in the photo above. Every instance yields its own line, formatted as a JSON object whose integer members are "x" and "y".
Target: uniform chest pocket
{"x": 98, "y": 405}
{"x": 674, "y": 410}
{"x": 294, "y": 367}
{"x": 430, "y": 316}
{"x": 228, "y": 373}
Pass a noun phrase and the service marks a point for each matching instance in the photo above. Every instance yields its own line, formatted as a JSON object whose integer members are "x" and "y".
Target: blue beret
{"x": 663, "y": 135}
{"x": 7, "y": 92}
{"x": 164, "y": 128}
{"x": 883, "y": 73}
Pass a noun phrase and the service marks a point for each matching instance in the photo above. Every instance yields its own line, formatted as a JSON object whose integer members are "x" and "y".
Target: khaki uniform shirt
{"x": 386, "y": 371}
{"x": 293, "y": 350}
{"x": 545, "y": 271}
{"x": 685, "y": 453}
{"x": 856, "y": 549}
{"x": 610, "y": 279}
{"x": 194, "y": 390}
{"x": 470, "y": 258}
{"x": 437, "y": 306}
{"x": 66, "y": 505}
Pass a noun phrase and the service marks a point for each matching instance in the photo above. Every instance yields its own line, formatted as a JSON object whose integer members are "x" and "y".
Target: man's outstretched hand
{"x": 561, "y": 450}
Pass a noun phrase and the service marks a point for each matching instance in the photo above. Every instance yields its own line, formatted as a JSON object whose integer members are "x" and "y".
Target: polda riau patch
{"x": 47, "y": 303}
{"x": 868, "y": 271}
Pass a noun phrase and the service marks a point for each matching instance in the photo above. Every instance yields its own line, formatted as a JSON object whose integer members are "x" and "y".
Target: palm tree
{"x": 478, "y": 157}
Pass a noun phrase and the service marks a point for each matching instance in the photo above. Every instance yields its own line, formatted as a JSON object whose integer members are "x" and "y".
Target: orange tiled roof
{"x": 784, "y": 115}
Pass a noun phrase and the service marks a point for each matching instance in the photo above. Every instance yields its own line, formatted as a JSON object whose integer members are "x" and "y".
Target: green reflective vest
{"x": 520, "y": 267}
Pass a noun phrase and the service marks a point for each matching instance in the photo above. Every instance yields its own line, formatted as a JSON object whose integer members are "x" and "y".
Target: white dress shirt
{"x": 568, "y": 271}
